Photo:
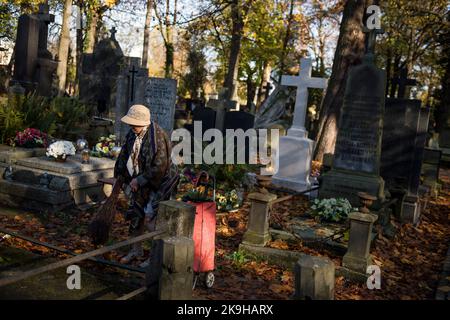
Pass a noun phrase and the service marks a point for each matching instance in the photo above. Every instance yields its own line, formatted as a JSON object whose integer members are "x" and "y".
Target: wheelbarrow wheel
{"x": 209, "y": 279}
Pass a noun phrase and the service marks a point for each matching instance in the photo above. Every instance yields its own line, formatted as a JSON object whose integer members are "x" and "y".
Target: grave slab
{"x": 41, "y": 183}
{"x": 72, "y": 165}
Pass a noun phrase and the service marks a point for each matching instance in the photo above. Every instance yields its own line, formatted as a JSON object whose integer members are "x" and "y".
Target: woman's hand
{"x": 134, "y": 185}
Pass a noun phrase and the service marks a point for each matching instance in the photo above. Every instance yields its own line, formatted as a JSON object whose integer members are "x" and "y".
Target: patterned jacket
{"x": 154, "y": 159}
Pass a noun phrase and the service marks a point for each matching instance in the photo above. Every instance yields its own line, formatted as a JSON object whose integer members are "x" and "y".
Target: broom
{"x": 100, "y": 225}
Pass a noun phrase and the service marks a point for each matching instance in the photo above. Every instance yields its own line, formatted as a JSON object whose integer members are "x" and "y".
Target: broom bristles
{"x": 101, "y": 224}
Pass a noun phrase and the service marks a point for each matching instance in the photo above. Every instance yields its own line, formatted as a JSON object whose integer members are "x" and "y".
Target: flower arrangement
{"x": 30, "y": 138}
{"x": 104, "y": 146}
{"x": 332, "y": 209}
{"x": 61, "y": 149}
{"x": 228, "y": 201}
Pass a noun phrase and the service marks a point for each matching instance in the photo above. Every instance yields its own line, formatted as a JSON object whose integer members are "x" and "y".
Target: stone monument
{"x": 295, "y": 149}
{"x": 34, "y": 66}
{"x": 356, "y": 162}
{"x": 160, "y": 96}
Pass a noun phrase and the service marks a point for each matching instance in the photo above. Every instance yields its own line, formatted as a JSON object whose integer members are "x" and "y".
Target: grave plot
{"x": 242, "y": 273}
{"x": 41, "y": 184}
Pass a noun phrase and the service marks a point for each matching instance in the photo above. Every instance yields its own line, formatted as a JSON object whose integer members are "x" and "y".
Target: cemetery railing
{"x": 81, "y": 257}
{"x": 71, "y": 253}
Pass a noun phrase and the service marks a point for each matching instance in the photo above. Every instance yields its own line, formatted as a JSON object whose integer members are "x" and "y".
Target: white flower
{"x": 60, "y": 148}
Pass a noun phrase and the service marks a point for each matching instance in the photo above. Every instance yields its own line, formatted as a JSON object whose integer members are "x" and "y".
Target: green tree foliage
{"x": 411, "y": 40}
{"x": 10, "y": 10}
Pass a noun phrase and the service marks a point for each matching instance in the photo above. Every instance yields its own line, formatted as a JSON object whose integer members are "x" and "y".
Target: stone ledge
{"x": 280, "y": 257}
{"x": 71, "y": 166}
{"x": 7, "y": 155}
{"x": 34, "y": 192}
{"x": 75, "y": 181}
{"x": 261, "y": 197}
{"x": 351, "y": 275}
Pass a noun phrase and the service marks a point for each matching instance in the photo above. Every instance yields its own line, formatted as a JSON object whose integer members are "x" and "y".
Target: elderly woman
{"x": 143, "y": 165}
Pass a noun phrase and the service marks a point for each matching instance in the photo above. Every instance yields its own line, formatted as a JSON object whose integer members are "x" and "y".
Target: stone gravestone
{"x": 127, "y": 92}
{"x": 100, "y": 71}
{"x": 235, "y": 120}
{"x": 404, "y": 137}
{"x": 399, "y": 132}
{"x": 239, "y": 120}
{"x": 222, "y": 106}
{"x": 206, "y": 116}
{"x": 26, "y": 50}
{"x": 430, "y": 168}
{"x": 402, "y": 83}
{"x": 295, "y": 149}
{"x": 356, "y": 162}
{"x": 444, "y": 133}
{"x": 160, "y": 96}
{"x": 411, "y": 205}
{"x": 46, "y": 66}
{"x": 34, "y": 66}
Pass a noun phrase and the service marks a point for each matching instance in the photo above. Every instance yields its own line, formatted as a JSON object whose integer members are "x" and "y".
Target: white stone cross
{"x": 303, "y": 81}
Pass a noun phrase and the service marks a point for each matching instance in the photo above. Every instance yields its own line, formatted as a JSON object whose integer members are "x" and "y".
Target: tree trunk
{"x": 79, "y": 49}
{"x": 251, "y": 92}
{"x": 442, "y": 114}
{"x": 235, "y": 48}
{"x": 168, "y": 69}
{"x": 286, "y": 40}
{"x": 148, "y": 20}
{"x": 262, "y": 92}
{"x": 349, "y": 51}
{"x": 388, "y": 70}
{"x": 63, "y": 51}
{"x": 92, "y": 32}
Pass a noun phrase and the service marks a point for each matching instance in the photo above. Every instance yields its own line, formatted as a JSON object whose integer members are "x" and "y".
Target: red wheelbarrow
{"x": 204, "y": 233}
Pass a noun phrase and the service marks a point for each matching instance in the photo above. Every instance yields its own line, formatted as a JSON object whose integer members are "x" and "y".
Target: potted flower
{"x": 60, "y": 150}
{"x": 106, "y": 147}
{"x": 331, "y": 210}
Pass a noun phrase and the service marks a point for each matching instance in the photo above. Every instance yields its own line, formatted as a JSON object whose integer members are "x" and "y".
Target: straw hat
{"x": 138, "y": 116}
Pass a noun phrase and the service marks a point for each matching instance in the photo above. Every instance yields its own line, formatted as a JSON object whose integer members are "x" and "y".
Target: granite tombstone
{"x": 160, "y": 96}
{"x": 356, "y": 162}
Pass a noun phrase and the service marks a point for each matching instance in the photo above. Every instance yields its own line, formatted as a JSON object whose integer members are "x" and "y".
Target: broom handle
{"x": 117, "y": 186}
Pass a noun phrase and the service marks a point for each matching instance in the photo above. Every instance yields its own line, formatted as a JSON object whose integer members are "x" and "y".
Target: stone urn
{"x": 366, "y": 201}
{"x": 263, "y": 182}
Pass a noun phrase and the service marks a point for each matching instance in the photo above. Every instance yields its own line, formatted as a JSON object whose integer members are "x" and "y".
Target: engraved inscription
{"x": 160, "y": 97}
{"x": 359, "y": 134}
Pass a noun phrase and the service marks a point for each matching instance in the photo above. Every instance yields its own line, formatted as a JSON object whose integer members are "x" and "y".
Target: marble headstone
{"x": 295, "y": 149}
